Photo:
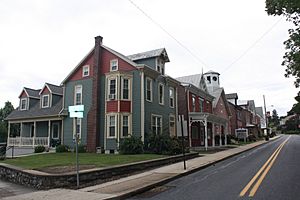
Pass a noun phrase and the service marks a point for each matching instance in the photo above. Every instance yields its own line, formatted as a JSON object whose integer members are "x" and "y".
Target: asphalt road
{"x": 278, "y": 176}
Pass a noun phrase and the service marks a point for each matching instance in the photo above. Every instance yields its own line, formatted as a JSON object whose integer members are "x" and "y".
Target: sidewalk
{"x": 138, "y": 183}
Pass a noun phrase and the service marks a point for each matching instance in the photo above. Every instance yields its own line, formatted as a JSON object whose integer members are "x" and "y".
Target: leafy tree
{"x": 296, "y": 107}
{"x": 4, "y": 112}
{"x": 291, "y": 10}
{"x": 275, "y": 118}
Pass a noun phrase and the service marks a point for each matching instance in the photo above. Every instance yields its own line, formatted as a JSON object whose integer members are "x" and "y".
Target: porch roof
{"x": 36, "y": 112}
{"x": 197, "y": 116}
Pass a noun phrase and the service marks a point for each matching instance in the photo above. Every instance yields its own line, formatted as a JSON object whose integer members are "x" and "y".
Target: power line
{"x": 251, "y": 46}
{"x": 169, "y": 34}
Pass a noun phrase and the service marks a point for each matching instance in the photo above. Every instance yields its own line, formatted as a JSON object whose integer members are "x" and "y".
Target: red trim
{"x": 125, "y": 106}
{"x": 112, "y": 106}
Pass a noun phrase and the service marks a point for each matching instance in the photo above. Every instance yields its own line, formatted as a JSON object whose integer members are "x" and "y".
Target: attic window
{"x": 114, "y": 65}
{"x": 45, "y": 101}
{"x": 208, "y": 79}
{"x": 85, "y": 71}
{"x": 23, "y": 104}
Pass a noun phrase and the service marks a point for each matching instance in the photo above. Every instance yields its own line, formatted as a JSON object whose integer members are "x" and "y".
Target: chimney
{"x": 93, "y": 133}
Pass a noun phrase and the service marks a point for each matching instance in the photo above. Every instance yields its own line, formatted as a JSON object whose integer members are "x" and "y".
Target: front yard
{"x": 65, "y": 162}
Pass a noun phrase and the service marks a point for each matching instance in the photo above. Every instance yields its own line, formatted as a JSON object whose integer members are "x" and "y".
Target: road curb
{"x": 167, "y": 180}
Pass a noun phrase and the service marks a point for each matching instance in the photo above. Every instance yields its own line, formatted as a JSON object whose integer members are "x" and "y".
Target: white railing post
{"x": 8, "y": 134}
{"x": 21, "y": 133}
{"x": 34, "y": 133}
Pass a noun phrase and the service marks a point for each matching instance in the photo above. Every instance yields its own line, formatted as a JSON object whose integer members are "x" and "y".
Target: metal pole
{"x": 266, "y": 115}
{"x": 182, "y": 140}
{"x": 77, "y": 162}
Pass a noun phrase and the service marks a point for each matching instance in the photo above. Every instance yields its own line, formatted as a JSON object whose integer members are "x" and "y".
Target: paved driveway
{"x": 8, "y": 189}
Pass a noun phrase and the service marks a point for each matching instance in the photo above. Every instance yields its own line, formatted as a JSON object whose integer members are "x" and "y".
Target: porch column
{"x": 206, "y": 140}
{"x": 34, "y": 133}
{"x": 220, "y": 133}
{"x": 213, "y": 137}
{"x": 62, "y": 132}
{"x": 8, "y": 134}
{"x": 49, "y": 132}
{"x": 21, "y": 133}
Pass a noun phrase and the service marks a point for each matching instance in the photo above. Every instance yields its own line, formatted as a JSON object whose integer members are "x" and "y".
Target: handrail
{"x": 5, "y": 149}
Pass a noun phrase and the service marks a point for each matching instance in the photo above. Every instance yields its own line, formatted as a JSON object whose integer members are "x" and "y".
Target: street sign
{"x": 77, "y": 114}
{"x": 77, "y": 108}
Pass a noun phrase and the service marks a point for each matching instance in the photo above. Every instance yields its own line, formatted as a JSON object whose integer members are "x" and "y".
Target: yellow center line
{"x": 247, "y": 187}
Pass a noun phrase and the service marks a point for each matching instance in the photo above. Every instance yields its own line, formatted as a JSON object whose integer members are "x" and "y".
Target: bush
{"x": 292, "y": 132}
{"x": 163, "y": 144}
{"x": 251, "y": 138}
{"x": 39, "y": 149}
{"x": 62, "y": 148}
{"x": 131, "y": 145}
{"x": 81, "y": 148}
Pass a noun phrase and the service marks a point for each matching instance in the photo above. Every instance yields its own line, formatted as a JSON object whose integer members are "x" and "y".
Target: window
{"x": 77, "y": 127}
{"x": 161, "y": 93}
{"x": 55, "y": 130}
{"x": 201, "y": 105}
{"x": 156, "y": 124}
{"x": 193, "y": 103}
{"x": 113, "y": 65}
{"x": 171, "y": 91}
{"x": 23, "y": 105}
{"x": 125, "y": 126}
{"x": 111, "y": 126}
{"x": 125, "y": 88}
{"x": 148, "y": 89}
{"x": 45, "y": 101}
{"x": 85, "y": 71}
{"x": 172, "y": 125}
{"x": 112, "y": 89}
{"x": 78, "y": 95}
{"x": 208, "y": 79}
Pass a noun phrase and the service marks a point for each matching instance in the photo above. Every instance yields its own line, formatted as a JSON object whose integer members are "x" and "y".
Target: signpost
{"x": 76, "y": 112}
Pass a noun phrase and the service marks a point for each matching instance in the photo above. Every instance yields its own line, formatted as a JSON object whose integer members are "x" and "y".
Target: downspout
{"x": 142, "y": 107}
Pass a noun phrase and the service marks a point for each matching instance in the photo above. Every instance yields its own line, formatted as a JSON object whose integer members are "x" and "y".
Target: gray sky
{"x": 43, "y": 40}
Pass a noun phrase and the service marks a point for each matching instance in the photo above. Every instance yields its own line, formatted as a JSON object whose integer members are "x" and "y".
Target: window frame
{"x": 111, "y": 65}
{"x": 109, "y": 88}
{"x": 201, "y": 104}
{"x": 48, "y": 103}
{"x": 109, "y": 125}
{"x": 172, "y": 97}
{"x": 128, "y": 89}
{"x": 58, "y": 129}
{"x": 193, "y": 103}
{"x": 156, "y": 124}
{"x": 25, "y": 104}
{"x": 161, "y": 96}
{"x": 150, "y": 89}
{"x": 85, "y": 68}
{"x": 128, "y": 125}
{"x": 174, "y": 121}
{"x": 75, "y": 94}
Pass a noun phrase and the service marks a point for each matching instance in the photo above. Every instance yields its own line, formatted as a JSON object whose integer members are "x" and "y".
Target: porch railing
{"x": 28, "y": 141}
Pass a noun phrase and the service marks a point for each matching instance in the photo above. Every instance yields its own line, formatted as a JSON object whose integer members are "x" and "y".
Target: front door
{"x": 55, "y": 130}
{"x": 197, "y": 132}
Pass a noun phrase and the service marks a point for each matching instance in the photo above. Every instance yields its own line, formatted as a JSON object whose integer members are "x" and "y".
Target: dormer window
{"x": 45, "y": 101}
{"x": 23, "y": 105}
{"x": 114, "y": 65}
{"x": 85, "y": 71}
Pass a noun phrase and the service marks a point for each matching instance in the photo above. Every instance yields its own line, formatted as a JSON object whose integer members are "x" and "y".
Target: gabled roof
{"x": 31, "y": 93}
{"x": 36, "y": 112}
{"x": 150, "y": 54}
{"x": 54, "y": 89}
{"x": 192, "y": 79}
{"x": 259, "y": 111}
{"x": 231, "y": 96}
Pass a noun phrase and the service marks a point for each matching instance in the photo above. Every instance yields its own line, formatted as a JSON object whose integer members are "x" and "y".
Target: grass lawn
{"x": 67, "y": 159}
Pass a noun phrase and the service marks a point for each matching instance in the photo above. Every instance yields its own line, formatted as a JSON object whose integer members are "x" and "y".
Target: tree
{"x": 275, "y": 118}
{"x": 296, "y": 107}
{"x": 291, "y": 10}
{"x": 4, "y": 112}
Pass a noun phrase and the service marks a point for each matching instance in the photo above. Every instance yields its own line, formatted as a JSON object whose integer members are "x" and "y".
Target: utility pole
{"x": 266, "y": 114}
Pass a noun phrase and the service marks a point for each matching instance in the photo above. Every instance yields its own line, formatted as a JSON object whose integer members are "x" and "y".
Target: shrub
{"x": 39, "y": 149}
{"x": 131, "y": 145}
{"x": 163, "y": 144}
{"x": 292, "y": 132}
{"x": 251, "y": 138}
{"x": 62, "y": 148}
{"x": 81, "y": 148}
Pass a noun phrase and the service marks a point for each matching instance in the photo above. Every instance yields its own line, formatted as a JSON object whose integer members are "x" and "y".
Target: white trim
{"x": 48, "y": 103}
{"x": 26, "y": 103}
{"x": 151, "y": 89}
{"x": 163, "y": 92}
{"x": 161, "y": 121}
{"x": 142, "y": 107}
{"x": 112, "y": 97}
{"x": 115, "y": 115}
{"x": 174, "y": 121}
{"x": 111, "y": 65}
{"x": 85, "y": 68}
{"x": 75, "y": 87}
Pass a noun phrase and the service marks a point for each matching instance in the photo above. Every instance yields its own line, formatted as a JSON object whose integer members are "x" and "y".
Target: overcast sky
{"x": 43, "y": 40}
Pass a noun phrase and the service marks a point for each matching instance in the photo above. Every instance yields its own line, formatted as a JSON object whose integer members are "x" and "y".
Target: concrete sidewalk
{"x": 138, "y": 183}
